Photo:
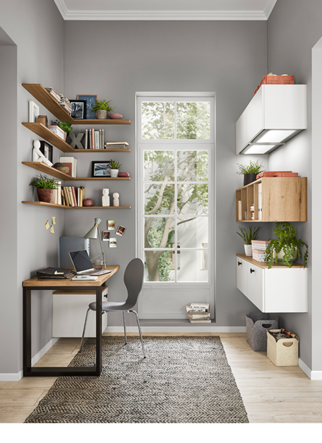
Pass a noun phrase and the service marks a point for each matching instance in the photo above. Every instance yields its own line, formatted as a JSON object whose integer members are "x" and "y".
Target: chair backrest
{"x": 133, "y": 279}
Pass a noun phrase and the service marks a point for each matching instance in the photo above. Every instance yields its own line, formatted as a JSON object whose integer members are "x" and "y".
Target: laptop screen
{"x": 81, "y": 261}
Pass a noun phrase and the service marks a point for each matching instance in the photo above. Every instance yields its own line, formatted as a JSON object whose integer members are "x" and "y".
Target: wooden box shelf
{"x": 284, "y": 199}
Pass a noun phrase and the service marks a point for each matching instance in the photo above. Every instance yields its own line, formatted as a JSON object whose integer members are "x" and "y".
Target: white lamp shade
{"x": 93, "y": 232}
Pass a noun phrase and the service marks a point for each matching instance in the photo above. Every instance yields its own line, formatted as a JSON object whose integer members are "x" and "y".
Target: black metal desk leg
{"x": 26, "y": 330}
{"x": 98, "y": 330}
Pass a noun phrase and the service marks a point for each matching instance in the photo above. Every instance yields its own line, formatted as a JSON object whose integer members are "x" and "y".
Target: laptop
{"x": 83, "y": 265}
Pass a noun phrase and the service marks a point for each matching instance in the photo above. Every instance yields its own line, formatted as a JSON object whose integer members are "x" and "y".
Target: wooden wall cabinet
{"x": 279, "y": 289}
{"x": 284, "y": 199}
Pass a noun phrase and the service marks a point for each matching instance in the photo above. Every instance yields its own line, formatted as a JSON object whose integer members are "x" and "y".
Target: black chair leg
{"x": 80, "y": 350}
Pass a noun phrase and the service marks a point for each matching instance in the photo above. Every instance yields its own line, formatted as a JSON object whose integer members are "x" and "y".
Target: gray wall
{"x": 294, "y": 27}
{"x": 36, "y": 27}
{"x": 116, "y": 59}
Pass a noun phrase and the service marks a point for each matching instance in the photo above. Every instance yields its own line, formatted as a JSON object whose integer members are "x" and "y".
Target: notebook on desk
{"x": 55, "y": 273}
{"x": 83, "y": 265}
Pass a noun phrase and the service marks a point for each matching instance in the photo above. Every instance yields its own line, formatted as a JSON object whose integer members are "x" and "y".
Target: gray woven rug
{"x": 182, "y": 380}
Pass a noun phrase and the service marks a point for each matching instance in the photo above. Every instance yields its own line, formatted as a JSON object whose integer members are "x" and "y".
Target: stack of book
{"x": 94, "y": 139}
{"x": 116, "y": 145}
{"x": 63, "y": 101}
{"x": 198, "y": 313}
{"x": 71, "y": 163}
{"x": 72, "y": 196}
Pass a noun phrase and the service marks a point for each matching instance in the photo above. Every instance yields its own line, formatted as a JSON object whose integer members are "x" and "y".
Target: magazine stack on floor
{"x": 198, "y": 313}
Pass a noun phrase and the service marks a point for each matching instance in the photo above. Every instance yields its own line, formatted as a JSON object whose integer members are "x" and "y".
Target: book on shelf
{"x": 71, "y": 163}
{"x": 86, "y": 139}
{"x": 198, "y": 315}
{"x": 200, "y": 305}
{"x": 93, "y": 138}
{"x": 72, "y": 196}
{"x": 97, "y": 139}
{"x": 260, "y": 202}
{"x": 189, "y": 309}
{"x": 116, "y": 145}
{"x": 200, "y": 321}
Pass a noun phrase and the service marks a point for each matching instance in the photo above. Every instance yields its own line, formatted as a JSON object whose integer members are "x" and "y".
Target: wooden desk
{"x": 34, "y": 284}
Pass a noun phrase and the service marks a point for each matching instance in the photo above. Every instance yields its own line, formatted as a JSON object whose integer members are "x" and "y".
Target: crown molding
{"x": 81, "y": 15}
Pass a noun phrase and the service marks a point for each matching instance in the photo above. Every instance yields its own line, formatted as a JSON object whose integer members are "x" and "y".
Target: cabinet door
{"x": 242, "y": 275}
{"x": 255, "y": 289}
{"x": 255, "y": 121}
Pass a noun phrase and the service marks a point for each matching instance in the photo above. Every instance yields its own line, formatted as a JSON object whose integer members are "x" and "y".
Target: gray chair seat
{"x": 133, "y": 280}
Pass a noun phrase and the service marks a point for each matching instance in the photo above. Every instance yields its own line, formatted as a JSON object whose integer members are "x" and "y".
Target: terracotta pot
{"x": 101, "y": 114}
{"x": 45, "y": 195}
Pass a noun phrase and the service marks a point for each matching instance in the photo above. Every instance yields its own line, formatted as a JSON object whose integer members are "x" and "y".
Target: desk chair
{"x": 133, "y": 279}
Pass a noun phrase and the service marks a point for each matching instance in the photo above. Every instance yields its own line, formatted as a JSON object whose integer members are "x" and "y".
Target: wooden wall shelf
{"x": 62, "y": 176}
{"x": 284, "y": 199}
{"x": 52, "y": 205}
{"x": 43, "y": 96}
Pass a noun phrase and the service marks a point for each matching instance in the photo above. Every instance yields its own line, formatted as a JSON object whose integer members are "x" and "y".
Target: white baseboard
{"x": 313, "y": 375}
{"x": 147, "y": 329}
{"x": 18, "y": 376}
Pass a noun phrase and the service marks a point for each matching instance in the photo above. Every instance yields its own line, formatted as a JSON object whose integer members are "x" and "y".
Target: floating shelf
{"x": 48, "y": 101}
{"x": 52, "y": 205}
{"x": 62, "y": 176}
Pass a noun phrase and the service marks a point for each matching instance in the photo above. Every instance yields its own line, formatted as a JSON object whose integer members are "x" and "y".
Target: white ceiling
{"x": 165, "y": 9}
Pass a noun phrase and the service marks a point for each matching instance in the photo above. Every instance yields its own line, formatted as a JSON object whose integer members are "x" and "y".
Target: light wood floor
{"x": 271, "y": 394}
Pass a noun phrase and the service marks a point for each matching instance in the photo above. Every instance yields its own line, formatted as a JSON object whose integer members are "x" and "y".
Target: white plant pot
{"x": 114, "y": 172}
{"x": 248, "y": 250}
{"x": 280, "y": 256}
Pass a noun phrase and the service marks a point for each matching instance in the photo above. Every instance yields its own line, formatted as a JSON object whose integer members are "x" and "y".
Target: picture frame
{"x": 106, "y": 235}
{"x": 101, "y": 168}
{"x": 47, "y": 150}
{"x": 78, "y": 109}
{"x": 90, "y": 100}
{"x": 111, "y": 225}
{"x": 33, "y": 112}
{"x": 113, "y": 242}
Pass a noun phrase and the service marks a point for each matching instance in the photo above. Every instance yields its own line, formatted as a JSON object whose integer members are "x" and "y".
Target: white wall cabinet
{"x": 273, "y": 108}
{"x": 280, "y": 289}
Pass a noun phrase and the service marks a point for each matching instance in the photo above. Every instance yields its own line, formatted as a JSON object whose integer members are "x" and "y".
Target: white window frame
{"x": 142, "y": 144}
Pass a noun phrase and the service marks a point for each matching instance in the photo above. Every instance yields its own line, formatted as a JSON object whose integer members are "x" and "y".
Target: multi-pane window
{"x": 175, "y": 160}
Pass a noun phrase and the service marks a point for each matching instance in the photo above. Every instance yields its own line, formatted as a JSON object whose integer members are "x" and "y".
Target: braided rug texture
{"x": 182, "y": 380}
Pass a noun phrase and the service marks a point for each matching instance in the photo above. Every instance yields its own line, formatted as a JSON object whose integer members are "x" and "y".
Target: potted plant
{"x": 286, "y": 248}
{"x": 64, "y": 126}
{"x": 115, "y": 166}
{"x": 249, "y": 172}
{"x": 248, "y": 235}
{"x": 102, "y": 108}
{"x": 45, "y": 187}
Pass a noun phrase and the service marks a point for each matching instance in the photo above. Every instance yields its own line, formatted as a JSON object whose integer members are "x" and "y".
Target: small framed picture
{"x": 113, "y": 243}
{"x": 47, "y": 150}
{"x": 120, "y": 230}
{"x": 78, "y": 109}
{"x": 101, "y": 169}
{"x": 33, "y": 112}
{"x": 90, "y": 101}
{"x": 106, "y": 235}
{"x": 111, "y": 225}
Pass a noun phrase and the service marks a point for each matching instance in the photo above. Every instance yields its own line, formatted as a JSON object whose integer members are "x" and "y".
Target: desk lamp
{"x": 94, "y": 233}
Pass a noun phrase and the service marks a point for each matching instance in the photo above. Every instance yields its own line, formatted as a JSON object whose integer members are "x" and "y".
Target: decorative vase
{"x": 88, "y": 202}
{"x": 248, "y": 250}
{"x": 249, "y": 178}
{"x": 45, "y": 195}
{"x": 115, "y": 115}
{"x": 114, "y": 172}
{"x": 101, "y": 114}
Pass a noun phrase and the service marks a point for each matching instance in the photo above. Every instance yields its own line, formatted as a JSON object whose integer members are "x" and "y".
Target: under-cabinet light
{"x": 259, "y": 149}
{"x": 275, "y": 136}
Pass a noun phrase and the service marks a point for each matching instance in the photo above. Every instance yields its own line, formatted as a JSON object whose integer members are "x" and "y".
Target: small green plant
{"x": 252, "y": 168}
{"x": 286, "y": 242}
{"x": 102, "y": 105}
{"x": 248, "y": 234}
{"x": 65, "y": 126}
{"x": 115, "y": 164}
{"x": 43, "y": 182}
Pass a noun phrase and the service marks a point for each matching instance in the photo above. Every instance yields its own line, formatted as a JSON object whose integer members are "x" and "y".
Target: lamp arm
{"x": 103, "y": 253}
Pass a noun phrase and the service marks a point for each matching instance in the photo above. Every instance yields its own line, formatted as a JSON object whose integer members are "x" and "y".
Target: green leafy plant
{"x": 248, "y": 234}
{"x": 115, "y": 164}
{"x": 65, "y": 126}
{"x": 43, "y": 182}
{"x": 102, "y": 105}
{"x": 287, "y": 242}
{"x": 252, "y": 168}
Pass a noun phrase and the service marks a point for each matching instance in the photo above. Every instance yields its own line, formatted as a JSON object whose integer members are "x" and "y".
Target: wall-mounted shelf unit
{"x": 62, "y": 176}
{"x": 279, "y": 289}
{"x": 284, "y": 199}
{"x": 43, "y": 96}
{"x": 52, "y": 205}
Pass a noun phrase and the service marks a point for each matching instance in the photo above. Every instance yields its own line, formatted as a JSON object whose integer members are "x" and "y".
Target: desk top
{"x": 34, "y": 282}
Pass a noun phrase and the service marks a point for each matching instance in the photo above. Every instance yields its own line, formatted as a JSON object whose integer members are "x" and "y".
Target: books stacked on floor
{"x": 63, "y": 101}
{"x": 71, "y": 163}
{"x": 72, "y": 196}
{"x": 198, "y": 313}
{"x": 93, "y": 139}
